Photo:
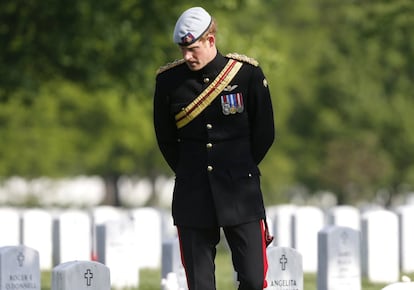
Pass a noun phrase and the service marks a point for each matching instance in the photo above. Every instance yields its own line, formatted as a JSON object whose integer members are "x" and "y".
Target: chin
{"x": 194, "y": 67}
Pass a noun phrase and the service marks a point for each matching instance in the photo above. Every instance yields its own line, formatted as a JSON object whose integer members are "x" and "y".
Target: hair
{"x": 212, "y": 29}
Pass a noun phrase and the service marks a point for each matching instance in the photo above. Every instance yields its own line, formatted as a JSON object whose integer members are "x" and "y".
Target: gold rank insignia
{"x": 243, "y": 58}
{"x": 170, "y": 65}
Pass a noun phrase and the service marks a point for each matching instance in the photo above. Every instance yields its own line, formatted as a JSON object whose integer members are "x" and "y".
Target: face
{"x": 200, "y": 53}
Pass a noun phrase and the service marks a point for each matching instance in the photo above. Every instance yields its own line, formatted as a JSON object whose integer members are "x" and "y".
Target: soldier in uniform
{"x": 214, "y": 124}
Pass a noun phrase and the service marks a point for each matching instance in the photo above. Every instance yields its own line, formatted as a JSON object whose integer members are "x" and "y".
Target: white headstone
{"x": 307, "y": 222}
{"x": 400, "y": 286}
{"x": 19, "y": 268}
{"x": 37, "y": 234}
{"x": 345, "y": 216}
{"x": 72, "y": 237}
{"x": 281, "y": 216}
{"x": 101, "y": 215}
{"x": 9, "y": 227}
{"x": 147, "y": 223}
{"x": 116, "y": 249}
{"x": 81, "y": 275}
{"x": 406, "y": 234}
{"x": 339, "y": 259}
{"x": 172, "y": 270}
{"x": 169, "y": 230}
{"x": 379, "y": 257}
{"x": 285, "y": 270}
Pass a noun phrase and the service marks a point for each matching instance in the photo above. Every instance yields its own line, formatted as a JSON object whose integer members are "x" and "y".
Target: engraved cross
{"x": 88, "y": 276}
{"x": 283, "y": 261}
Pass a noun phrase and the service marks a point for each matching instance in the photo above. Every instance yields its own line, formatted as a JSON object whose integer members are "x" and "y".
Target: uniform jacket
{"x": 215, "y": 157}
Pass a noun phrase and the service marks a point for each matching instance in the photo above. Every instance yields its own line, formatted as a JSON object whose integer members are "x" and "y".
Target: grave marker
{"x": 307, "y": 222}
{"x": 81, "y": 275}
{"x": 400, "y": 286}
{"x": 37, "y": 234}
{"x": 339, "y": 259}
{"x": 9, "y": 227}
{"x": 406, "y": 237}
{"x": 19, "y": 268}
{"x": 172, "y": 270}
{"x": 379, "y": 239}
{"x": 116, "y": 249}
{"x": 71, "y": 237}
{"x": 345, "y": 216}
{"x": 147, "y": 226}
{"x": 285, "y": 270}
{"x": 281, "y": 217}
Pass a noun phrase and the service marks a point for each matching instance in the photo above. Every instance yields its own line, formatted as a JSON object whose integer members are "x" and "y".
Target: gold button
{"x": 209, "y": 168}
{"x": 209, "y": 145}
{"x": 209, "y": 126}
{"x": 250, "y": 175}
{"x": 206, "y": 80}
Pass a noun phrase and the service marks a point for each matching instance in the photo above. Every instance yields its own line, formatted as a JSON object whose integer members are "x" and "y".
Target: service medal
{"x": 232, "y": 103}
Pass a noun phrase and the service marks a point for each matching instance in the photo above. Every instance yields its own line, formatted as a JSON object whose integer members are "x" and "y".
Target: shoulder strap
{"x": 209, "y": 94}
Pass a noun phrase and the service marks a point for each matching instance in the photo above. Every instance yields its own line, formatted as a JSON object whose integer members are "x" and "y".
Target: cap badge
{"x": 188, "y": 38}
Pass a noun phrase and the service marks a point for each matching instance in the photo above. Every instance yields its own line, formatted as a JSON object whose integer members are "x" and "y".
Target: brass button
{"x": 206, "y": 80}
{"x": 209, "y": 168}
{"x": 250, "y": 175}
{"x": 209, "y": 145}
{"x": 209, "y": 126}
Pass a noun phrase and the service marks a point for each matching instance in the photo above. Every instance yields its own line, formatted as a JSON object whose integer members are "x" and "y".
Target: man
{"x": 213, "y": 120}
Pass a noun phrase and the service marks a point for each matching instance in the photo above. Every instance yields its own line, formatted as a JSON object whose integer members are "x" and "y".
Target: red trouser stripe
{"x": 265, "y": 263}
{"x": 182, "y": 257}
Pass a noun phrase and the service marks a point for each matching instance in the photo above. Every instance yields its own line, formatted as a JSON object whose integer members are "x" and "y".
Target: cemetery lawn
{"x": 150, "y": 279}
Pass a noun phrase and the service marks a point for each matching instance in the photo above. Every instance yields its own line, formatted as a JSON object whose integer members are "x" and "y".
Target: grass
{"x": 150, "y": 279}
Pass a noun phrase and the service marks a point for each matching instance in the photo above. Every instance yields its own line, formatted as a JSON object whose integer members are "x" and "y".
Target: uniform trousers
{"x": 248, "y": 251}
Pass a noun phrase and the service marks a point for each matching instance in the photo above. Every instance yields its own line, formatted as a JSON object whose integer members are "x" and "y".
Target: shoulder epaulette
{"x": 170, "y": 65}
{"x": 243, "y": 58}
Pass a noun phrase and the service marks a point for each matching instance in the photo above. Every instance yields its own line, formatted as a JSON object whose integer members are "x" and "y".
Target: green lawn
{"x": 150, "y": 279}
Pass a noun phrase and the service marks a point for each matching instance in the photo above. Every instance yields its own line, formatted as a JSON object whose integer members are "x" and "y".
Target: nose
{"x": 187, "y": 55}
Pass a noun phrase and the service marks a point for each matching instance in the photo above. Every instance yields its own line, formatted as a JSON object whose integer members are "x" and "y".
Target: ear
{"x": 211, "y": 40}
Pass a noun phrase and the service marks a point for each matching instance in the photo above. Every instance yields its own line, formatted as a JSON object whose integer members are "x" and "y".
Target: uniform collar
{"x": 215, "y": 66}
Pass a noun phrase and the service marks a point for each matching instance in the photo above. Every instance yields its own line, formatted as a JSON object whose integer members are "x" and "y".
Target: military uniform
{"x": 215, "y": 157}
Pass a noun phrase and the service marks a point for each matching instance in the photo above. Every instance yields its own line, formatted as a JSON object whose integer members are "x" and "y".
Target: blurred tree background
{"x": 77, "y": 80}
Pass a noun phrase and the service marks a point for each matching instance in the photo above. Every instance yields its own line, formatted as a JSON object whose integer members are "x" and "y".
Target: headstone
{"x": 71, "y": 237}
{"x": 281, "y": 217}
{"x": 37, "y": 234}
{"x": 285, "y": 270}
{"x": 345, "y": 216}
{"x": 406, "y": 237}
{"x": 81, "y": 275}
{"x": 9, "y": 227}
{"x": 168, "y": 229}
{"x": 307, "y": 222}
{"x": 339, "y": 259}
{"x": 147, "y": 227}
{"x": 19, "y": 268}
{"x": 379, "y": 255}
{"x": 116, "y": 249}
{"x": 172, "y": 270}
{"x": 100, "y": 215}
{"x": 400, "y": 286}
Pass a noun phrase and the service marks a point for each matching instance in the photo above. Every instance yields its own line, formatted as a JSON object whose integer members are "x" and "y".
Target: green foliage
{"x": 78, "y": 77}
